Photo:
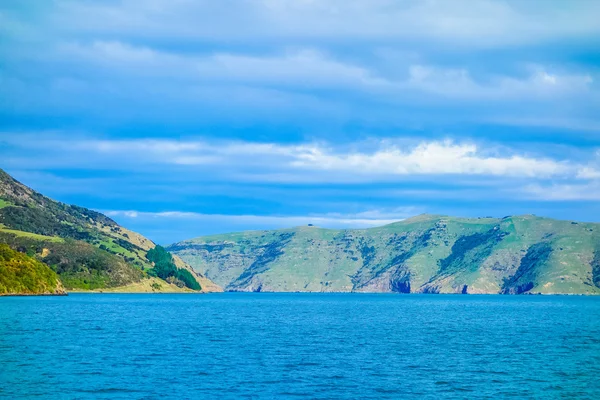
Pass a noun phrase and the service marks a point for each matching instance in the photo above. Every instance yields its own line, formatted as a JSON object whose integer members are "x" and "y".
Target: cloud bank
{"x": 378, "y": 159}
{"x": 277, "y": 109}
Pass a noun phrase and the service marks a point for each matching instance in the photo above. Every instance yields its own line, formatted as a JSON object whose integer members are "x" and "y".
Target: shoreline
{"x": 297, "y": 292}
{"x": 32, "y": 294}
{"x": 129, "y": 292}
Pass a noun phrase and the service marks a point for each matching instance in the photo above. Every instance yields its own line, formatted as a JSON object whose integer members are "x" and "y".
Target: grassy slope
{"x": 30, "y": 235}
{"x": 86, "y": 248}
{"x": 22, "y": 274}
{"x": 427, "y": 253}
{"x": 147, "y": 285}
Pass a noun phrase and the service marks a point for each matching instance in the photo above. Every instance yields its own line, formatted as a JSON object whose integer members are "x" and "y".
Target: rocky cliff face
{"x": 425, "y": 254}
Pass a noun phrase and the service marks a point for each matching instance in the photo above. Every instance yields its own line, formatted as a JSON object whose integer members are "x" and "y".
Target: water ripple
{"x": 299, "y": 346}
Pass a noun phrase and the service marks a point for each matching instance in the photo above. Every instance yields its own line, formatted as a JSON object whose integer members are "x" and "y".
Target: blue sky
{"x": 180, "y": 118}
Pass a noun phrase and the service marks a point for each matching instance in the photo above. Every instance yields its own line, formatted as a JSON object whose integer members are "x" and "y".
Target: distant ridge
{"x": 424, "y": 254}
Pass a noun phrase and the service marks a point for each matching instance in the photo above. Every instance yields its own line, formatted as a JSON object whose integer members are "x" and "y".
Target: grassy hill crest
{"x": 424, "y": 254}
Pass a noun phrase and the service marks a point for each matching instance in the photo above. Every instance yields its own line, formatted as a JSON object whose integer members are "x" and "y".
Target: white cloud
{"x": 261, "y": 61}
{"x": 309, "y": 68}
{"x": 467, "y": 22}
{"x": 302, "y": 67}
{"x": 563, "y": 192}
{"x": 381, "y": 160}
{"x": 588, "y": 173}
{"x": 435, "y": 158}
{"x": 364, "y": 219}
{"x": 458, "y": 83}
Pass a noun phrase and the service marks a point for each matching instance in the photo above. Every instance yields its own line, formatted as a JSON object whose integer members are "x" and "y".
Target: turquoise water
{"x": 325, "y": 346}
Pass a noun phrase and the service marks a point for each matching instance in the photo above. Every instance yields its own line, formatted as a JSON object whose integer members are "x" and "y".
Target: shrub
{"x": 22, "y": 274}
{"x": 164, "y": 268}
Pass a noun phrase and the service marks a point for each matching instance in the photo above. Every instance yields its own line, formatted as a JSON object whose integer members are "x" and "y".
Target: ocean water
{"x": 322, "y": 346}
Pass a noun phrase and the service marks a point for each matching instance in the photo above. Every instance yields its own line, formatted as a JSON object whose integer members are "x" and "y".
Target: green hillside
{"x": 87, "y": 250}
{"x": 424, "y": 254}
{"x": 21, "y": 274}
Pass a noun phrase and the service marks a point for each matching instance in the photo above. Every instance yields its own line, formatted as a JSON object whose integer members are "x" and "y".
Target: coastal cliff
{"x": 425, "y": 254}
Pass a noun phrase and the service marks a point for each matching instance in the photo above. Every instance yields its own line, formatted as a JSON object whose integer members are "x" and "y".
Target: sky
{"x": 182, "y": 118}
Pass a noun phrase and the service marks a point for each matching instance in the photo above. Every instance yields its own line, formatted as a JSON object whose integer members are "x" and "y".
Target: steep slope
{"x": 21, "y": 274}
{"x": 424, "y": 254}
{"x": 88, "y": 250}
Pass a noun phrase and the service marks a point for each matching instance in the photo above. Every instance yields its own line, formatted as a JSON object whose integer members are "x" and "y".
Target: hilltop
{"x": 423, "y": 254}
{"x": 86, "y": 249}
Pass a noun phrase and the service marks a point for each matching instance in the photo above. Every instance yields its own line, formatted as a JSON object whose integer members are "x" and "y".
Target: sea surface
{"x": 277, "y": 346}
